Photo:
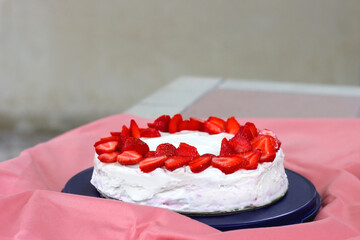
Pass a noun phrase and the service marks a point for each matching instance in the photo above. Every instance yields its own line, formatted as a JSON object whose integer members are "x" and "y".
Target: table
{"x": 202, "y": 97}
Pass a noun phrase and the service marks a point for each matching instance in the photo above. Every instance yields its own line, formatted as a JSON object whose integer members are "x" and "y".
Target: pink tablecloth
{"x": 326, "y": 151}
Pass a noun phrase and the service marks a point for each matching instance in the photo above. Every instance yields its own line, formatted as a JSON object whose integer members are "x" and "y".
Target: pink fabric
{"x": 326, "y": 151}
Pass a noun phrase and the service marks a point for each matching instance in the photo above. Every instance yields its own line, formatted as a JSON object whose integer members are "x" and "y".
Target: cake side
{"x": 183, "y": 191}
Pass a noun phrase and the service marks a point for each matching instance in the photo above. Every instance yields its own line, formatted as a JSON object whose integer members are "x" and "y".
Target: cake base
{"x": 210, "y": 191}
{"x": 300, "y": 204}
{"x": 223, "y": 213}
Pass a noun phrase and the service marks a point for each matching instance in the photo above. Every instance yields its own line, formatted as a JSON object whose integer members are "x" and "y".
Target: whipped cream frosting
{"x": 184, "y": 191}
{"x": 204, "y": 142}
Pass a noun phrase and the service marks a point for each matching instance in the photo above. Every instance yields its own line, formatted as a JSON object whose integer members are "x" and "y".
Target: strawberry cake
{"x": 191, "y": 165}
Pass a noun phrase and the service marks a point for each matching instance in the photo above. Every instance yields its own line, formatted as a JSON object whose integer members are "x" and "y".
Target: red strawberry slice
{"x": 246, "y": 131}
{"x": 226, "y": 149}
{"x": 121, "y": 140}
{"x": 197, "y": 119}
{"x": 129, "y": 158}
{"x": 277, "y": 142}
{"x": 107, "y": 139}
{"x": 165, "y": 149}
{"x": 240, "y": 143}
{"x": 108, "y": 157}
{"x": 135, "y": 144}
{"x": 150, "y": 154}
{"x": 266, "y": 144}
{"x": 228, "y": 165}
{"x": 174, "y": 123}
{"x": 125, "y": 131}
{"x": 232, "y": 126}
{"x": 134, "y": 129}
{"x": 106, "y": 147}
{"x": 214, "y": 125}
{"x": 252, "y": 128}
{"x": 151, "y": 163}
{"x": 252, "y": 158}
{"x": 187, "y": 150}
{"x": 191, "y": 125}
{"x": 149, "y": 132}
{"x": 247, "y": 154}
{"x": 161, "y": 123}
{"x": 208, "y": 155}
{"x": 115, "y": 134}
{"x": 175, "y": 162}
{"x": 201, "y": 163}
{"x": 201, "y": 123}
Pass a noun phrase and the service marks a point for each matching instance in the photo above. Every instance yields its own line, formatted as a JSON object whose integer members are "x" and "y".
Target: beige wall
{"x": 63, "y": 63}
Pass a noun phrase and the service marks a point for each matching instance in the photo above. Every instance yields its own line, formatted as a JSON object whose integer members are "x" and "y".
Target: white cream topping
{"x": 184, "y": 191}
{"x": 204, "y": 142}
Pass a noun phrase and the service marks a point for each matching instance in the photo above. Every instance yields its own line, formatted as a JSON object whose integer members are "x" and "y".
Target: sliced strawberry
{"x": 108, "y": 157}
{"x": 161, "y": 123}
{"x": 120, "y": 139}
{"x": 252, "y": 158}
{"x": 240, "y": 143}
{"x": 191, "y": 125}
{"x": 228, "y": 165}
{"x": 251, "y": 126}
{"x": 266, "y": 144}
{"x": 149, "y": 132}
{"x": 214, "y": 125}
{"x": 247, "y": 154}
{"x": 201, "y": 163}
{"x": 165, "y": 149}
{"x": 134, "y": 129}
{"x": 246, "y": 131}
{"x": 121, "y": 142}
{"x": 232, "y": 126}
{"x": 150, "y": 154}
{"x": 197, "y": 119}
{"x": 151, "y": 163}
{"x": 107, "y": 139}
{"x": 208, "y": 155}
{"x": 201, "y": 123}
{"x": 268, "y": 157}
{"x": 135, "y": 144}
{"x": 106, "y": 147}
{"x": 125, "y": 131}
{"x": 187, "y": 150}
{"x": 226, "y": 149}
{"x": 277, "y": 142}
{"x": 175, "y": 162}
{"x": 174, "y": 123}
{"x": 129, "y": 158}
{"x": 116, "y": 134}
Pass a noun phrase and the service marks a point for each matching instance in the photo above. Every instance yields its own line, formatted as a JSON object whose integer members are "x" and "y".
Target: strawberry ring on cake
{"x": 191, "y": 166}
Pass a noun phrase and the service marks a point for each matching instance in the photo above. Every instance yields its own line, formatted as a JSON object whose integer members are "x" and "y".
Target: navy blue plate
{"x": 300, "y": 204}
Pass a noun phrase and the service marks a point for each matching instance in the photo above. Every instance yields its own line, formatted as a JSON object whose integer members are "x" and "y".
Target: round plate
{"x": 300, "y": 204}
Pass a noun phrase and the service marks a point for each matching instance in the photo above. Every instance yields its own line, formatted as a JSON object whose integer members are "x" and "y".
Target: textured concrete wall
{"x": 63, "y": 63}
